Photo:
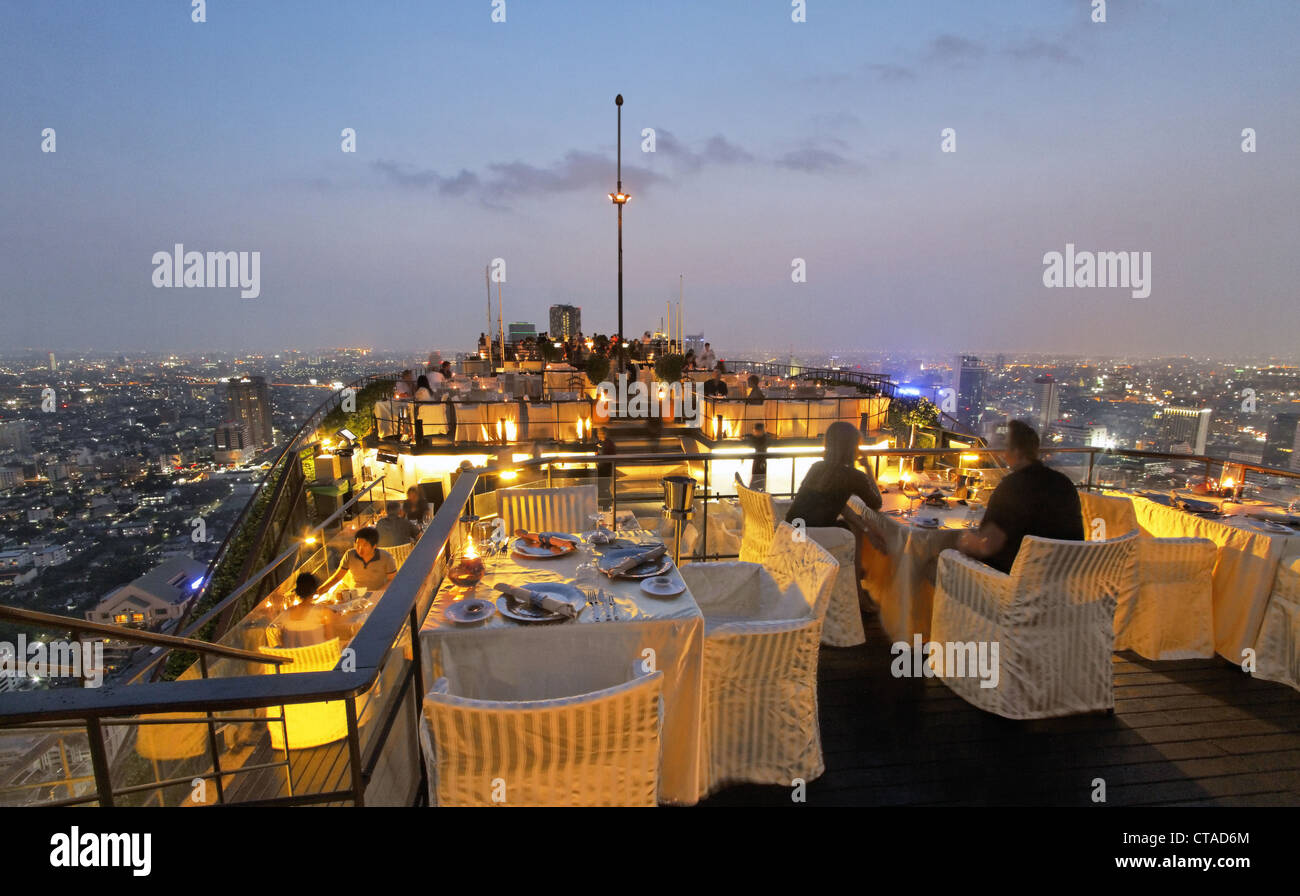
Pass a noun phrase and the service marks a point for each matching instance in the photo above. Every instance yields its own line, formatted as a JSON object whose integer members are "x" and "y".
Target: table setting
{"x": 549, "y": 608}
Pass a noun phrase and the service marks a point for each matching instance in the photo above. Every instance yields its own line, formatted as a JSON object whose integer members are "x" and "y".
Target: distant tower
{"x": 1184, "y": 430}
{"x": 248, "y": 401}
{"x": 54, "y": 365}
{"x": 1047, "y": 402}
{"x": 972, "y": 378}
{"x": 1282, "y": 448}
{"x": 566, "y": 321}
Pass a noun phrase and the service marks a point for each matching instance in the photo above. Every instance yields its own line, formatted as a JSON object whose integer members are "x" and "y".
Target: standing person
{"x": 758, "y": 473}
{"x": 707, "y": 358}
{"x": 1033, "y": 499}
{"x": 605, "y": 471}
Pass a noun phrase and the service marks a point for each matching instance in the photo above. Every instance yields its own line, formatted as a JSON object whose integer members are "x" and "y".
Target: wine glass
{"x": 911, "y": 493}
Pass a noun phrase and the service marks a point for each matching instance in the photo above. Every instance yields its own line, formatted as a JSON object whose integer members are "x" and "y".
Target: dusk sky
{"x": 775, "y": 140}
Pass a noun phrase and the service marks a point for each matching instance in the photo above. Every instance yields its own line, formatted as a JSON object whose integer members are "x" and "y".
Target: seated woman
{"x": 306, "y": 623}
{"x": 829, "y": 483}
{"x": 423, "y": 391}
{"x": 416, "y": 508}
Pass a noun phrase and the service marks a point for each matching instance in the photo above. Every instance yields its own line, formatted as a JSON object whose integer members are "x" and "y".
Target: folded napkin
{"x": 636, "y": 560}
{"x": 557, "y": 544}
{"x": 538, "y": 599}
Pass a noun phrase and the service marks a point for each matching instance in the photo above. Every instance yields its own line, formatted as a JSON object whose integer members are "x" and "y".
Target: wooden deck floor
{"x": 1196, "y": 732}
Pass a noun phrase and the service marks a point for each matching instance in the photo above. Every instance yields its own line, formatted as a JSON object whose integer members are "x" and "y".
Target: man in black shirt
{"x": 715, "y": 387}
{"x": 1033, "y": 499}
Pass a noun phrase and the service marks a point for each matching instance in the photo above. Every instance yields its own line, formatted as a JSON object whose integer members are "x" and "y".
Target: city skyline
{"x": 1123, "y": 136}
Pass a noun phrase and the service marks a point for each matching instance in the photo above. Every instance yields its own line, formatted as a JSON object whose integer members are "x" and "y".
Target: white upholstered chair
{"x": 1277, "y": 648}
{"x": 1168, "y": 612}
{"x": 1052, "y": 619}
{"x": 594, "y": 749}
{"x": 843, "y": 623}
{"x": 762, "y": 640}
{"x": 547, "y": 509}
{"x": 309, "y": 724}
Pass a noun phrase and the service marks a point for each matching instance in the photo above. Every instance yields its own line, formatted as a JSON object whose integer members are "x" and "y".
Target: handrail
{"x": 370, "y": 647}
{"x": 76, "y": 626}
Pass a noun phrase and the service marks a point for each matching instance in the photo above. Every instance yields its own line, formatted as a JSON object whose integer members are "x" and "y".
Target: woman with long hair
{"x": 416, "y": 507}
{"x": 830, "y": 481}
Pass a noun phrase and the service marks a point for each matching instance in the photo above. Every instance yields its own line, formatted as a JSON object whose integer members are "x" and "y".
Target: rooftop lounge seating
{"x": 567, "y": 509}
{"x": 486, "y": 752}
{"x": 762, "y": 636}
{"x": 1278, "y": 647}
{"x": 1052, "y": 619}
{"x": 1167, "y": 613}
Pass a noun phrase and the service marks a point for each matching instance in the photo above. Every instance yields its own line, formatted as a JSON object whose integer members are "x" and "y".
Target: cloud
{"x": 405, "y": 176}
{"x": 813, "y": 160}
{"x": 1038, "y": 49}
{"x": 718, "y": 150}
{"x": 952, "y": 50}
{"x": 888, "y": 72}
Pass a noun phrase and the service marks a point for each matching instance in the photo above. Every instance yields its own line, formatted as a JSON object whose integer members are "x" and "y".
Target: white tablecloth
{"x": 1249, "y": 555}
{"x": 504, "y": 659}
{"x": 901, "y": 581}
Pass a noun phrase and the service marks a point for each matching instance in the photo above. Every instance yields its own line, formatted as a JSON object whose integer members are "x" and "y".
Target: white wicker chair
{"x": 1168, "y": 613}
{"x": 762, "y": 636}
{"x": 309, "y": 724}
{"x": 1277, "y": 648}
{"x": 596, "y": 749}
{"x": 1052, "y": 620}
{"x": 547, "y": 509}
{"x": 400, "y": 552}
{"x": 843, "y": 623}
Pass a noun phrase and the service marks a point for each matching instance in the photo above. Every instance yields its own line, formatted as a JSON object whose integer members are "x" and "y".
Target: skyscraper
{"x": 971, "y": 380}
{"x": 231, "y": 444}
{"x": 54, "y": 365}
{"x": 248, "y": 401}
{"x": 566, "y": 321}
{"x": 1282, "y": 446}
{"x": 517, "y": 332}
{"x": 1047, "y": 403}
{"x": 1184, "y": 430}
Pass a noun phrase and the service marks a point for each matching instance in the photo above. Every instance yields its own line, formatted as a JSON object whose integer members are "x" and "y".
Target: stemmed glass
{"x": 911, "y": 493}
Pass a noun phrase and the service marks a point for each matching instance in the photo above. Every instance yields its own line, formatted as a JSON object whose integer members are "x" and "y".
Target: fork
{"x": 591, "y": 602}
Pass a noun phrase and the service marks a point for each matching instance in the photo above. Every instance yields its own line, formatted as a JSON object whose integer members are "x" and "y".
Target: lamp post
{"x": 620, "y": 199}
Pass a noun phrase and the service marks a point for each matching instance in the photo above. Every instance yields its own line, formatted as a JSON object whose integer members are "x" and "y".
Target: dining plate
{"x": 927, "y": 522}
{"x": 1270, "y": 526}
{"x": 527, "y": 613}
{"x": 521, "y": 548}
{"x": 663, "y": 586}
{"x": 642, "y": 571}
{"x": 469, "y": 611}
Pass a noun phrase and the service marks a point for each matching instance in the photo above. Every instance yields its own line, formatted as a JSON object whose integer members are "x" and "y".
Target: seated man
{"x": 1033, "y": 499}
{"x": 395, "y": 531}
{"x": 755, "y": 395}
{"x": 369, "y": 568}
{"x": 714, "y": 386}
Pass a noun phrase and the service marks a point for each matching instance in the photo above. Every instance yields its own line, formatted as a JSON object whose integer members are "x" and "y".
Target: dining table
{"x": 1250, "y": 552}
{"x": 901, "y": 580}
{"x": 533, "y": 661}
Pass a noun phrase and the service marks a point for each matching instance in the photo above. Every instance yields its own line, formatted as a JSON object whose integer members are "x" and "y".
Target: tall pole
{"x": 618, "y": 102}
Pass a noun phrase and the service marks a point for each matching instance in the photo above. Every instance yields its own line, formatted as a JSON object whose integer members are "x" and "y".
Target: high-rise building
{"x": 231, "y": 443}
{"x": 518, "y": 332}
{"x": 54, "y": 365}
{"x": 971, "y": 380}
{"x": 1184, "y": 430}
{"x": 248, "y": 401}
{"x": 566, "y": 321}
{"x": 1047, "y": 402}
{"x": 14, "y": 435}
{"x": 1282, "y": 445}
